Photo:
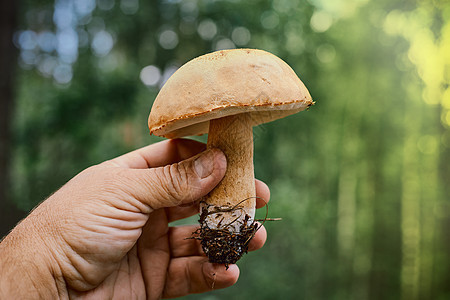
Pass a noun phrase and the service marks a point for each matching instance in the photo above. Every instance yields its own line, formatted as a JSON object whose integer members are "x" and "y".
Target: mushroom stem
{"x": 230, "y": 207}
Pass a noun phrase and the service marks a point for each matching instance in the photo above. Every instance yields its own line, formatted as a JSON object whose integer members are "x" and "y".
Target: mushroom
{"x": 225, "y": 94}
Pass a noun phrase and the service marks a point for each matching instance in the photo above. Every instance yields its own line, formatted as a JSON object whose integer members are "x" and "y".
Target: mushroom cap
{"x": 226, "y": 83}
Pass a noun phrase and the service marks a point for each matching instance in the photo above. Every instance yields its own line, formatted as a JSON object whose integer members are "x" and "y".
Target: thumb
{"x": 182, "y": 182}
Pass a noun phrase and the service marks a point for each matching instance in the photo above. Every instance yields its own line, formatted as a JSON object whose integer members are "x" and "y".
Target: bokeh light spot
{"x": 168, "y": 39}
{"x": 207, "y": 29}
{"x": 150, "y": 75}
{"x": 326, "y": 53}
{"x": 28, "y": 57}
{"x": 67, "y": 45}
{"x": 189, "y": 11}
{"x": 63, "y": 73}
{"x": 224, "y": 44}
{"x": 321, "y": 21}
{"x": 84, "y": 7}
{"x": 63, "y": 16}
{"x": 46, "y": 41}
{"x": 269, "y": 19}
{"x": 102, "y": 43}
{"x": 27, "y": 40}
{"x": 241, "y": 36}
{"x": 129, "y": 7}
{"x": 46, "y": 65}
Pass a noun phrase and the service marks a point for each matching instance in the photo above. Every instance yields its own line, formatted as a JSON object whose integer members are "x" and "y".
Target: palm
{"x": 127, "y": 279}
{"x": 125, "y": 282}
{"x": 157, "y": 265}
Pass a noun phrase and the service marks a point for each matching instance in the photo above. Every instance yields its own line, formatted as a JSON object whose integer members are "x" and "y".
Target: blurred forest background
{"x": 361, "y": 180}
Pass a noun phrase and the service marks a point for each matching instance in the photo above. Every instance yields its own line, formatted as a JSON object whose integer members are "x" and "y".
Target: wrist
{"x": 27, "y": 270}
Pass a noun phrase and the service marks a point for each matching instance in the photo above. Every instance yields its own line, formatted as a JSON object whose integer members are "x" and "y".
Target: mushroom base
{"x": 225, "y": 245}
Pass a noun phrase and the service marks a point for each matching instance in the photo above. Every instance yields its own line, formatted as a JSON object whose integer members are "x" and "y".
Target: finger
{"x": 183, "y": 211}
{"x": 262, "y": 192}
{"x": 183, "y": 245}
{"x": 154, "y": 253}
{"x": 175, "y": 184}
{"x": 258, "y": 240}
{"x": 188, "y": 210}
{"x": 191, "y": 275}
{"x": 159, "y": 154}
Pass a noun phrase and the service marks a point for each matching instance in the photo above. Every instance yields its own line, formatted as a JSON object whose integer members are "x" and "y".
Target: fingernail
{"x": 204, "y": 164}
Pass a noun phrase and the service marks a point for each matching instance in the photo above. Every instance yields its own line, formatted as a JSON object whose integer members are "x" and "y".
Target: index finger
{"x": 159, "y": 154}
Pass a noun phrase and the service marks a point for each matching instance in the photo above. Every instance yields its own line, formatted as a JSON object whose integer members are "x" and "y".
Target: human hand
{"x": 106, "y": 234}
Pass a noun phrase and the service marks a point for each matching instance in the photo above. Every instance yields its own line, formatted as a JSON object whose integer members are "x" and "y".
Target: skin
{"x": 106, "y": 233}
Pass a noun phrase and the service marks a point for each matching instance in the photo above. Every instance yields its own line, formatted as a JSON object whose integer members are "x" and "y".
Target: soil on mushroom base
{"x": 222, "y": 245}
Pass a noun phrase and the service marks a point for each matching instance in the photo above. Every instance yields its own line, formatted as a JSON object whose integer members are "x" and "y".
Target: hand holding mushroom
{"x": 106, "y": 234}
{"x": 225, "y": 94}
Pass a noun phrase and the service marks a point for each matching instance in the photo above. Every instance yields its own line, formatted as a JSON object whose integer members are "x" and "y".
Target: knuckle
{"x": 174, "y": 181}
{"x": 112, "y": 181}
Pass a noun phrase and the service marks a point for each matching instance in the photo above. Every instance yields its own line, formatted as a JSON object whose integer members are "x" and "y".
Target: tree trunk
{"x": 9, "y": 214}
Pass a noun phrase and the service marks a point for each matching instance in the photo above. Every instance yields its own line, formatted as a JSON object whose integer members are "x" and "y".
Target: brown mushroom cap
{"x": 226, "y": 83}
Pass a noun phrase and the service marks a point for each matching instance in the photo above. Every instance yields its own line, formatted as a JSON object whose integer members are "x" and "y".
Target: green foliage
{"x": 360, "y": 180}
